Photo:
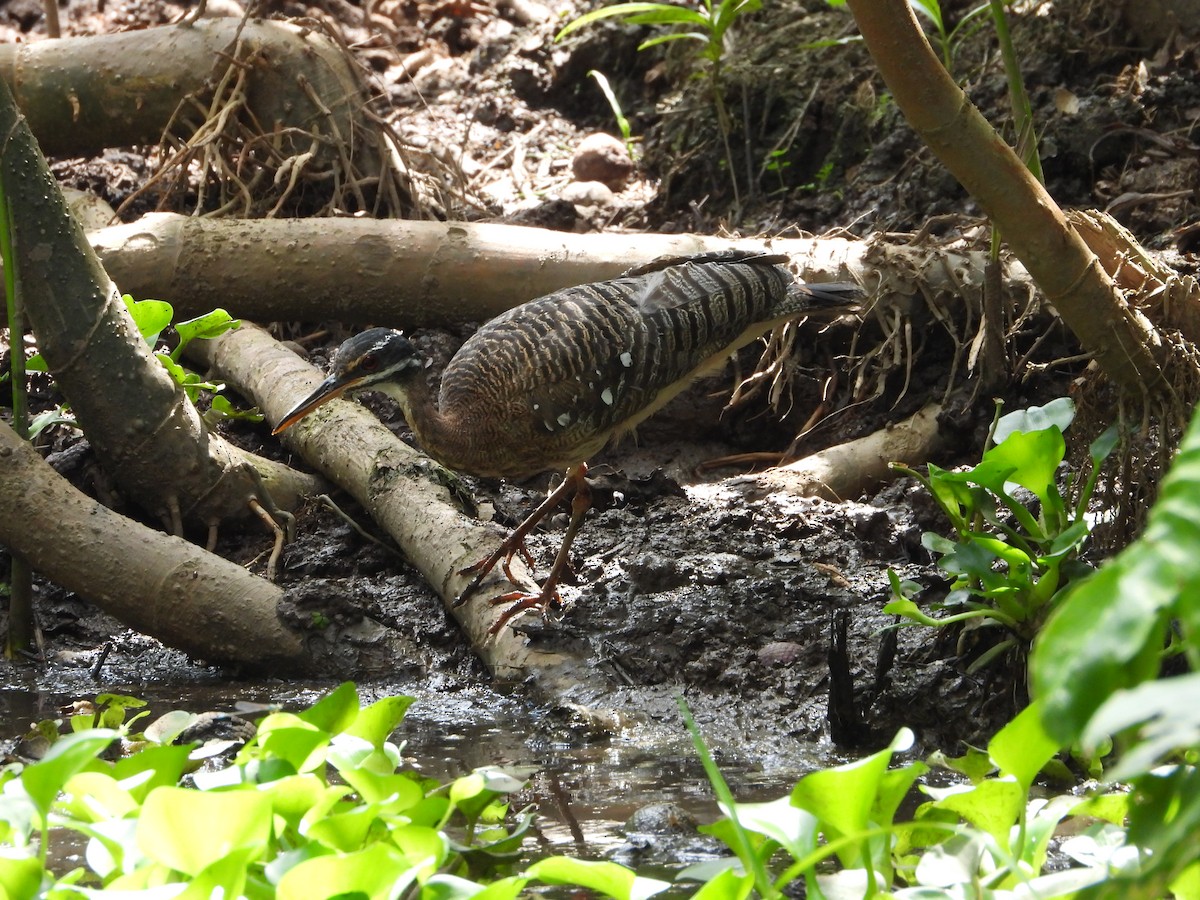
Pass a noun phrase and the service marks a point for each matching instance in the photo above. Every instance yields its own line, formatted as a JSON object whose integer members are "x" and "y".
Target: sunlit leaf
{"x": 380, "y": 872}
{"x": 187, "y": 830}
{"x": 608, "y": 878}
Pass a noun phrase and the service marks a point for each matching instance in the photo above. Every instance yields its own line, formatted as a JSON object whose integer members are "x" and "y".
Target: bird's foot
{"x": 510, "y": 547}
{"x": 545, "y": 600}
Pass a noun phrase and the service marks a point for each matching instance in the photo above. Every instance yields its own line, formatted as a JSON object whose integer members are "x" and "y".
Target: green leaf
{"x": 843, "y": 798}
{"x": 792, "y": 828}
{"x": 375, "y": 723}
{"x": 150, "y": 316}
{"x": 292, "y": 740}
{"x": 728, "y": 884}
{"x": 608, "y": 878}
{"x": 208, "y": 326}
{"x": 628, "y": 9}
{"x": 993, "y": 805}
{"x": 1055, "y": 414}
{"x": 1167, "y": 713}
{"x": 69, "y": 755}
{"x": 1022, "y": 747}
{"x": 380, "y": 872}
{"x": 336, "y": 711}
{"x": 188, "y": 830}
{"x": 1032, "y": 457}
{"x": 20, "y": 878}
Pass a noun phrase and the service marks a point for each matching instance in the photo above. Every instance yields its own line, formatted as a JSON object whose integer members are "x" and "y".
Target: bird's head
{"x": 365, "y": 361}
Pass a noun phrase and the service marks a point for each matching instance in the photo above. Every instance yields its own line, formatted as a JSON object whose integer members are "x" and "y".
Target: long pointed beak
{"x": 333, "y": 386}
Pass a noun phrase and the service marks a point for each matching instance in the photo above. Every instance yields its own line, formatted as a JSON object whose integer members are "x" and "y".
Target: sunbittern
{"x": 547, "y": 384}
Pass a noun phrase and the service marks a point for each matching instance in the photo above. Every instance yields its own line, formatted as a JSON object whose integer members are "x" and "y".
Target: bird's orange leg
{"x": 548, "y": 597}
{"x": 574, "y": 484}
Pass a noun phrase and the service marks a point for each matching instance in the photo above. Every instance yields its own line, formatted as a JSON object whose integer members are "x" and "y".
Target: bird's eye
{"x": 369, "y": 362}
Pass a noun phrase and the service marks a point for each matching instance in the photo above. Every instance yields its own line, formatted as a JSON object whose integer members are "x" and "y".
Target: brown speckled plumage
{"x": 548, "y": 383}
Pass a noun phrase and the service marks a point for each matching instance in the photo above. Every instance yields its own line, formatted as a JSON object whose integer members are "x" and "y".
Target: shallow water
{"x": 583, "y": 790}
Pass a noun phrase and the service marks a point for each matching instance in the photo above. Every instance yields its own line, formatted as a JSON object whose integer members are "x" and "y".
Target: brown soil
{"x": 684, "y": 587}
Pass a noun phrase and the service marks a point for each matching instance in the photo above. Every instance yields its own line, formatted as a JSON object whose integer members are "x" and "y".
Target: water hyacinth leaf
{"x": 377, "y": 721}
{"x": 336, "y": 711}
{"x": 1108, "y": 632}
{"x": 451, "y": 887}
{"x": 1058, "y": 413}
{"x": 373, "y": 787}
{"x": 20, "y": 876}
{"x": 792, "y": 828}
{"x": 608, "y": 878}
{"x": 95, "y": 797}
{"x": 378, "y": 872}
{"x": 68, "y": 756}
{"x": 292, "y": 740}
{"x": 293, "y": 797}
{"x": 993, "y": 805}
{"x": 843, "y": 798}
{"x": 186, "y": 830}
{"x": 1023, "y": 747}
{"x": 1166, "y": 715}
{"x": 729, "y": 884}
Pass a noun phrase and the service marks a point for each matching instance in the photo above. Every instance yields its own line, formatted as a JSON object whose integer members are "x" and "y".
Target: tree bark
{"x": 84, "y": 94}
{"x": 157, "y": 584}
{"x": 145, "y": 431}
{"x": 424, "y": 274}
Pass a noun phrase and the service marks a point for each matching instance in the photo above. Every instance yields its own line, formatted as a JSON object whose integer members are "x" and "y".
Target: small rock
{"x": 661, "y": 818}
{"x": 779, "y": 653}
{"x": 587, "y": 193}
{"x": 601, "y": 157}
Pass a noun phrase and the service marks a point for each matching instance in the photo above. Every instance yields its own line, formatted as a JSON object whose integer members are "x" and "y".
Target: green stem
{"x": 1026, "y": 139}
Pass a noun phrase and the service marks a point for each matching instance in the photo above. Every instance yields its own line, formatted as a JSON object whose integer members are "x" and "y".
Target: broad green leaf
{"x": 729, "y": 884}
{"x": 608, "y": 878}
{"x": 189, "y": 830}
{"x": 842, "y": 798}
{"x": 294, "y": 796}
{"x": 451, "y": 887}
{"x": 373, "y": 787}
{"x": 1168, "y": 714}
{"x": 1055, "y": 414}
{"x": 67, "y": 756}
{"x": 293, "y": 740}
{"x": 96, "y": 796}
{"x": 336, "y": 711}
{"x": 151, "y": 767}
{"x": 380, "y": 872}
{"x": 1105, "y": 634}
{"x": 20, "y": 878}
{"x": 150, "y": 316}
{"x": 1032, "y": 457}
{"x": 793, "y": 828}
{"x": 380, "y": 719}
{"x": 994, "y": 805}
{"x": 210, "y": 325}
{"x": 1022, "y": 747}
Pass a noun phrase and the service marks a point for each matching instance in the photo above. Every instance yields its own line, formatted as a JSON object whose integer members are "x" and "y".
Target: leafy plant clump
{"x": 1017, "y": 537}
{"x": 152, "y": 318}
